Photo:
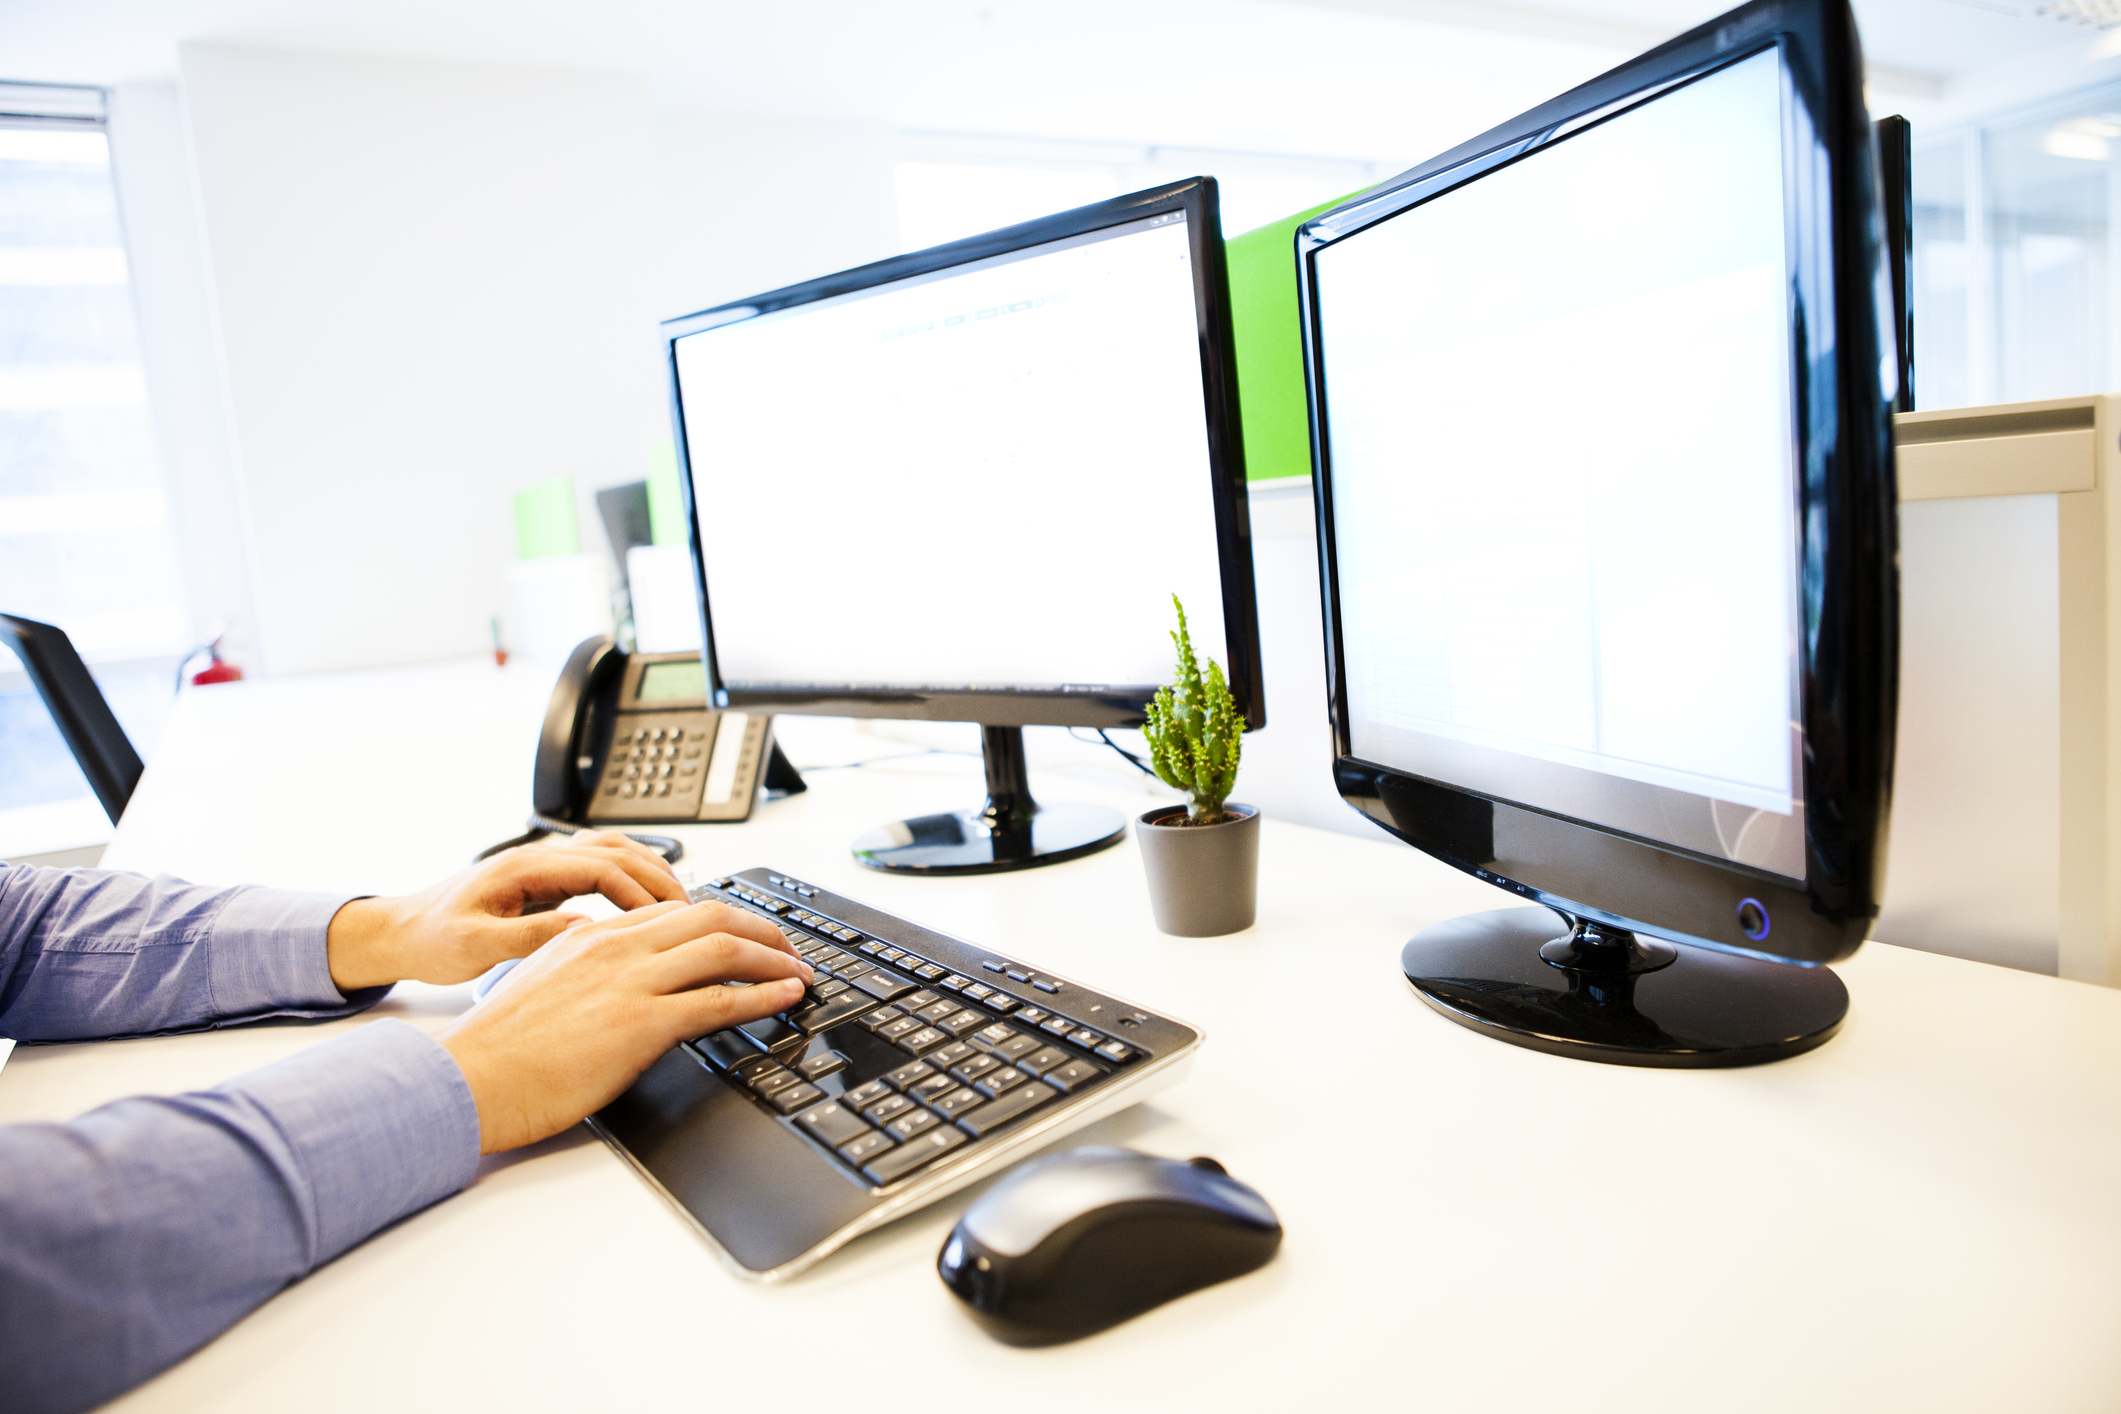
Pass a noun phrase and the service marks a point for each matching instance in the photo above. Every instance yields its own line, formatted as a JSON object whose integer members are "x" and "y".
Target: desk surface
{"x": 1921, "y": 1215}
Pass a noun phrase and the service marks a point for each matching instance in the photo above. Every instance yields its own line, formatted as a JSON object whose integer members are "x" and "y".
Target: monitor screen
{"x": 1564, "y": 498}
{"x": 991, "y": 475}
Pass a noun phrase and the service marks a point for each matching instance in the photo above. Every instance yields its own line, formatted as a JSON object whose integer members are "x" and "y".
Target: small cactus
{"x": 1194, "y": 733}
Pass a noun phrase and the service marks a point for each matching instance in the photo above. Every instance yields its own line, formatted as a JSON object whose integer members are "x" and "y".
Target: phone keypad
{"x": 655, "y": 770}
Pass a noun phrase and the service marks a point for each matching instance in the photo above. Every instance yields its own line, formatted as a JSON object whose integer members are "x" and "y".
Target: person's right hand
{"x": 585, "y": 1014}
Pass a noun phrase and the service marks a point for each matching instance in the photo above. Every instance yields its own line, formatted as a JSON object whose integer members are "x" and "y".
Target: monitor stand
{"x": 1012, "y": 831}
{"x": 1526, "y": 976}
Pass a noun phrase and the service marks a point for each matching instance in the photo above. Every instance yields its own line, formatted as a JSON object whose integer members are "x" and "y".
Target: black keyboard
{"x": 915, "y": 1064}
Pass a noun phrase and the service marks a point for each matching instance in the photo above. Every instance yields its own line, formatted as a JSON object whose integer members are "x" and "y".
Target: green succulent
{"x": 1194, "y": 732}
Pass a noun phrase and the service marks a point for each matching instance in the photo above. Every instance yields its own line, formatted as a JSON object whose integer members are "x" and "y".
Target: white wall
{"x": 753, "y": 203}
{"x": 173, "y": 294}
{"x": 436, "y": 286}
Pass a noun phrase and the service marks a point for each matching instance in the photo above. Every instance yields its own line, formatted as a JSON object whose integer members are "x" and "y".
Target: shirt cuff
{"x": 269, "y": 956}
{"x": 379, "y": 1122}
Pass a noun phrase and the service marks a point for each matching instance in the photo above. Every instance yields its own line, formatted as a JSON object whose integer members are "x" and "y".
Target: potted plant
{"x": 1202, "y": 857}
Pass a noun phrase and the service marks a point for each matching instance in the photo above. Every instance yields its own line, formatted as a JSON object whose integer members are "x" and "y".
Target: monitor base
{"x": 1012, "y": 831}
{"x": 1525, "y": 976}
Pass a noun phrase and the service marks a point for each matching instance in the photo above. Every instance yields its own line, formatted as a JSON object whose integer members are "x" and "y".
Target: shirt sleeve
{"x": 138, "y": 1232}
{"x": 89, "y": 953}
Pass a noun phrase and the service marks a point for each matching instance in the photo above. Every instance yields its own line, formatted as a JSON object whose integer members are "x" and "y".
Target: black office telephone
{"x": 630, "y": 740}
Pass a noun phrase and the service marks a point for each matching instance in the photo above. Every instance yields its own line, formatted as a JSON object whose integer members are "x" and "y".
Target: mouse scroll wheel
{"x": 1204, "y": 1162}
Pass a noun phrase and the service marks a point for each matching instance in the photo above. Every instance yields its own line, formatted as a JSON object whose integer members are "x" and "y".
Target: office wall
{"x": 436, "y": 285}
{"x": 174, "y": 298}
{"x": 751, "y": 203}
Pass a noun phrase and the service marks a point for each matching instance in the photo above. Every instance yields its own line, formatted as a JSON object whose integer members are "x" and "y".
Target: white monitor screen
{"x": 1564, "y": 493}
{"x": 994, "y": 475}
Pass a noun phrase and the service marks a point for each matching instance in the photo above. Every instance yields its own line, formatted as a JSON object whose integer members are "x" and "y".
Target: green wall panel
{"x": 1270, "y": 358}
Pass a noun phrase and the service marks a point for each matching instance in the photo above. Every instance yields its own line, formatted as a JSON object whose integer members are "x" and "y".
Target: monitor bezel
{"x": 1847, "y": 528}
{"x": 1070, "y": 705}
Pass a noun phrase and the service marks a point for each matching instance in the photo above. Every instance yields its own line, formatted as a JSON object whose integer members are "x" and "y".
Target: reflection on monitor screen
{"x": 1575, "y": 589}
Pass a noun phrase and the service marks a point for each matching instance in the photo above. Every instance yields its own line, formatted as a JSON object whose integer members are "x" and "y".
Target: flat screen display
{"x": 684, "y": 681}
{"x": 1564, "y": 488}
{"x": 990, "y": 476}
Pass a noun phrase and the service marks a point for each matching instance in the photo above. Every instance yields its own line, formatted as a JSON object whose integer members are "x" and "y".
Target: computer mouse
{"x": 1071, "y": 1244}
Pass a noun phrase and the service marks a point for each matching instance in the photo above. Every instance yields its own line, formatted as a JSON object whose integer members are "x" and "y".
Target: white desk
{"x": 1923, "y": 1215}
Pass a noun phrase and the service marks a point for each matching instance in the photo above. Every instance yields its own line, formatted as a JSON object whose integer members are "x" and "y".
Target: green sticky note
{"x": 545, "y": 523}
{"x": 666, "y": 509}
{"x": 1270, "y": 355}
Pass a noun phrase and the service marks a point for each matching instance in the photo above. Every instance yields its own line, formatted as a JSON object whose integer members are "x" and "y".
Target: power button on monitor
{"x": 1753, "y": 919}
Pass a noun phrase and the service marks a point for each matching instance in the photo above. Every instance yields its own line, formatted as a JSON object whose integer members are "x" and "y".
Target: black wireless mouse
{"x": 1071, "y": 1244}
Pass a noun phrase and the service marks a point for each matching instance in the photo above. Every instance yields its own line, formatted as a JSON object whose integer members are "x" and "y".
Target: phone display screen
{"x": 673, "y": 682}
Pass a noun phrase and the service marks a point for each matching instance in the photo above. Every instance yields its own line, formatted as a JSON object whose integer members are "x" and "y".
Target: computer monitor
{"x": 1607, "y": 528}
{"x": 964, "y": 485}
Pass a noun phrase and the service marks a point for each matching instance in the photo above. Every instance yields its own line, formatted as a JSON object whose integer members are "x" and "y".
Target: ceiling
{"x": 1375, "y": 80}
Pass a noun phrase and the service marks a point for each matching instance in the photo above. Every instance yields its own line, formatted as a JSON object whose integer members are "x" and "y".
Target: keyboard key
{"x": 994, "y": 1035}
{"x": 1005, "y": 1107}
{"x": 892, "y": 954}
{"x": 867, "y": 1146}
{"x": 863, "y": 1096}
{"x": 929, "y": 1088}
{"x": 992, "y": 966}
{"x": 911, "y": 1123}
{"x": 892, "y": 1030}
{"x": 1044, "y": 1061}
{"x": 1016, "y": 1047}
{"x": 872, "y": 947}
{"x": 795, "y": 1097}
{"x": 928, "y": 971}
{"x": 959, "y": 1022}
{"x": 768, "y": 1081}
{"x": 954, "y": 983}
{"x": 1031, "y": 1015}
{"x": 978, "y": 991}
{"x": 936, "y": 1011}
{"x": 911, "y": 1073}
{"x": 1017, "y": 974}
{"x": 1073, "y": 1076}
{"x": 955, "y": 1103}
{"x": 1054, "y": 1025}
{"x": 832, "y": 1122}
{"x": 919, "y": 999}
{"x": 827, "y": 1014}
{"x": 887, "y": 1109}
{"x": 829, "y": 990}
{"x": 1001, "y": 1002}
{"x": 1046, "y": 986}
{"x": 925, "y": 1039}
{"x": 910, "y": 1155}
{"x": 751, "y": 1069}
{"x": 995, "y": 1082}
{"x": 884, "y": 986}
{"x": 817, "y": 1067}
{"x": 1118, "y": 1052}
{"x": 848, "y": 971}
{"x": 971, "y": 1070}
{"x": 944, "y": 1057}
{"x": 1086, "y": 1038}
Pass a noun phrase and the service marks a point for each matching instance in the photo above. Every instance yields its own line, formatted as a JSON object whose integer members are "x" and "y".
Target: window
{"x": 2014, "y": 281}
{"x": 951, "y": 186}
{"x": 85, "y": 541}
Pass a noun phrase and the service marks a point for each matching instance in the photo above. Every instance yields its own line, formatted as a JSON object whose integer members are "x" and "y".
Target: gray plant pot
{"x": 1203, "y": 879}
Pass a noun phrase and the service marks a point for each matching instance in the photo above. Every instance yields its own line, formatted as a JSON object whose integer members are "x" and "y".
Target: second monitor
{"x": 963, "y": 484}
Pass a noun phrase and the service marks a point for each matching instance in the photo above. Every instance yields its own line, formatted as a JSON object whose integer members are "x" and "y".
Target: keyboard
{"x": 915, "y": 1064}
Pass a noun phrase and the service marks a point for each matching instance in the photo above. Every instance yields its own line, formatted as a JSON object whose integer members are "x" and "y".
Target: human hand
{"x": 462, "y": 926}
{"x": 596, "y": 1006}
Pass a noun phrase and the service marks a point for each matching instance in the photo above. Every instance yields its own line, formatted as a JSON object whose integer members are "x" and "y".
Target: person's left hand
{"x": 462, "y": 926}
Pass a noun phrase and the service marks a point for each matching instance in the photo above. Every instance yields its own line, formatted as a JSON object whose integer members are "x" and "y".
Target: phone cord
{"x": 541, "y": 826}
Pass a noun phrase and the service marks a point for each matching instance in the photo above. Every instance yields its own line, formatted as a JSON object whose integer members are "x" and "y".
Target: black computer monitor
{"x": 1607, "y": 527}
{"x": 964, "y": 484}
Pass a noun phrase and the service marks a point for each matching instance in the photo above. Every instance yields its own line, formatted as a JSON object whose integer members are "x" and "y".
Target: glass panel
{"x": 1941, "y": 278}
{"x": 2048, "y": 193}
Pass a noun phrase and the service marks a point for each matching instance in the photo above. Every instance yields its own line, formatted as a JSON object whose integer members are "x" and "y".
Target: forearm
{"x": 89, "y": 953}
{"x": 138, "y": 1232}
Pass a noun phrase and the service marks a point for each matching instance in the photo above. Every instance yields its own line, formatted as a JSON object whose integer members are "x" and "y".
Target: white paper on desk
{"x": 6, "y": 1048}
